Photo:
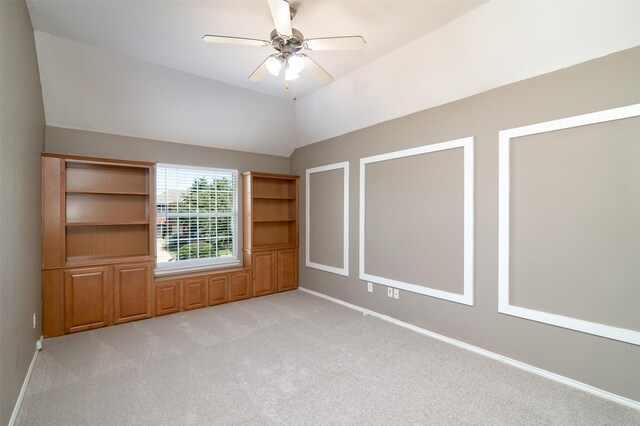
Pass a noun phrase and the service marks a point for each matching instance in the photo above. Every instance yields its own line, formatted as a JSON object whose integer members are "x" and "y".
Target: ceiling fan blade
{"x": 281, "y": 16}
{"x": 316, "y": 71}
{"x": 335, "y": 43}
{"x": 260, "y": 72}
{"x": 235, "y": 40}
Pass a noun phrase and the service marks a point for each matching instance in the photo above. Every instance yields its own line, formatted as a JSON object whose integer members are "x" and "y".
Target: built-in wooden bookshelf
{"x": 97, "y": 242}
{"x": 107, "y": 210}
{"x": 98, "y": 246}
{"x": 271, "y": 231}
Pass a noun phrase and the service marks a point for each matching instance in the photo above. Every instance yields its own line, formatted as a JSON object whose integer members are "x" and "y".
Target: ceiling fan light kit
{"x": 291, "y": 62}
{"x": 296, "y": 64}
{"x": 274, "y": 65}
{"x": 290, "y": 75}
{"x": 288, "y": 42}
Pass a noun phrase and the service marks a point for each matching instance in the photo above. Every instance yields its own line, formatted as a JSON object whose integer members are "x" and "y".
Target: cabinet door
{"x": 218, "y": 289}
{"x": 240, "y": 285}
{"x": 287, "y": 269}
{"x": 167, "y": 297}
{"x": 194, "y": 293}
{"x": 86, "y": 299}
{"x": 264, "y": 272}
{"x": 132, "y": 286}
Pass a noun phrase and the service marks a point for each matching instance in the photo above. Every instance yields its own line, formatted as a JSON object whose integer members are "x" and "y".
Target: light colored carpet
{"x": 290, "y": 358}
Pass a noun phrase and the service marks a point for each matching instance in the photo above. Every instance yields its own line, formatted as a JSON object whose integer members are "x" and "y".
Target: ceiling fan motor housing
{"x": 287, "y": 44}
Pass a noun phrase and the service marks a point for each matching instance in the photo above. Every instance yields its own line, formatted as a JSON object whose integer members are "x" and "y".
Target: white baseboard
{"x": 530, "y": 368}
{"x": 23, "y": 390}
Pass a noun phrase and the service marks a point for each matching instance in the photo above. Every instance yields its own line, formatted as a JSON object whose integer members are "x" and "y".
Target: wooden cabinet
{"x": 86, "y": 299}
{"x": 194, "y": 293}
{"x": 218, "y": 289}
{"x": 271, "y": 231}
{"x": 199, "y": 289}
{"x": 287, "y": 269}
{"x": 97, "y": 242}
{"x": 264, "y": 264}
{"x": 98, "y": 246}
{"x": 168, "y": 297}
{"x": 241, "y": 285}
{"x": 92, "y": 296}
{"x": 132, "y": 292}
{"x": 274, "y": 271}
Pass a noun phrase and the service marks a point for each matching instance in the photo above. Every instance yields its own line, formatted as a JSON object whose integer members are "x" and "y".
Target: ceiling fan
{"x": 288, "y": 43}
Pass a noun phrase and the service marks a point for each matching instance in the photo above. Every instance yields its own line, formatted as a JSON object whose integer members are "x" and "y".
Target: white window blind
{"x": 196, "y": 216}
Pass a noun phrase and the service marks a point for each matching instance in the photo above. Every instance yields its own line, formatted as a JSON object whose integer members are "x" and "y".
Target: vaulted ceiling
{"x": 140, "y": 68}
{"x": 169, "y": 33}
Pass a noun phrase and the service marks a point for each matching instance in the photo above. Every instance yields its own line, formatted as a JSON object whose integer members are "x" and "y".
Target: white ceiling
{"x": 169, "y": 33}
{"x": 139, "y": 68}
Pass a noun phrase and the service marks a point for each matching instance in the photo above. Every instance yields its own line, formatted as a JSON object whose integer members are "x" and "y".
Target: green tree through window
{"x": 199, "y": 221}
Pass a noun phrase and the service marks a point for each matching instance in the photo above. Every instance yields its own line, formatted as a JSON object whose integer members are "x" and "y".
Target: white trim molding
{"x": 504, "y": 189}
{"x": 345, "y": 229}
{"x": 466, "y": 297}
{"x": 480, "y": 351}
{"x": 23, "y": 389}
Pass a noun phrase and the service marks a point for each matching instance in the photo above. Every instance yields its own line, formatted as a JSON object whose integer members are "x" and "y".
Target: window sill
{"x": 161, "y": 272}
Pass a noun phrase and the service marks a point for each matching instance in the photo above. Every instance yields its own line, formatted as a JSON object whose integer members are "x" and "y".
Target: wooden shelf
{"x": 110, "y": 178}
{"x": 267, "y": 210}
{"x": 106, "y": 209}
{"x": 273, "y": 187}
{"x": 95, "y": 241}
{"x": 107, "y": 192}
{"x": 108, "y": 223}
{"x": 272, "y": 220}
{"x": 274, "y": 198}
{"x": 106, "y": 260}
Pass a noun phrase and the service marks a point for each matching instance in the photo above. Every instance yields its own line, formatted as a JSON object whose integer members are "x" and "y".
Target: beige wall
{"x": 600, "y": 84}
{"x": 21, "y": 141}
{"x": 93, "y": 144}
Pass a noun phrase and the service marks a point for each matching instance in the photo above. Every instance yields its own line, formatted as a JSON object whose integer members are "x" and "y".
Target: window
{"x": 196, "y": 217}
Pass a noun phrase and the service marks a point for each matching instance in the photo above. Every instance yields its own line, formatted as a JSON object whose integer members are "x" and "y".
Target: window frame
{"x": 193, "y": 265}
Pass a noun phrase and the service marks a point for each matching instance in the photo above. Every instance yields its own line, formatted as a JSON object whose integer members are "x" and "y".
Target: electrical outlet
{"x": 370, "y": 287}
{"x": 34, "y": 321}
{"x": 389, "y": 291}
{"x": 396, "y": 293}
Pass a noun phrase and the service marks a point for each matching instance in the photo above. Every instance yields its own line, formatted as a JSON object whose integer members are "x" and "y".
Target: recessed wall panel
{"x": 327, "y": 218}
{"x": 569, "y": 224}
{"x": 575, "y": 222}
{"x": 414, "y": 220}
{"x": 326, "y": 226}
